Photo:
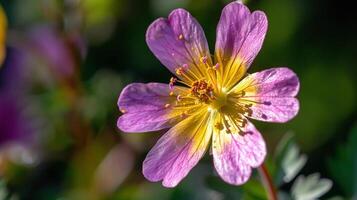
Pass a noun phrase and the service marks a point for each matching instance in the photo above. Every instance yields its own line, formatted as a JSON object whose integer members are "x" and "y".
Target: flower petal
{"x": 234, "y": 154}
{"x": 270, "y": 94}
{"x": 144, "y": 108}
{"x": 178, "y": 41}
{"x": 179, "y": 150}
{"x": 240, "y": 35}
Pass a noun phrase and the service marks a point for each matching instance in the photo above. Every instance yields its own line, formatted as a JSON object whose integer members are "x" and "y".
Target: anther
{"x": 172, "y": 82}
{"x": 123, "y": 111}
{"x": 268, "y": 103}
{"x": 245, "y": 122}
{"x": 180, "y": 37}
{"x": 179, "y": 71}
{"x": 171, "y": 93}
{"x": 219, "y": 126}
{"x": 248, "y": 105}
{"x": 203, "y": 59}
{"x": 184, "y": 114}
{"x": 228, "y": 131}
{"x": 185, "y": 66}
{"x": 178, "y": 98}
{"x": 167, "y": 105}
{"x": 216, "y": 66}
{"x": 264, "y": 116}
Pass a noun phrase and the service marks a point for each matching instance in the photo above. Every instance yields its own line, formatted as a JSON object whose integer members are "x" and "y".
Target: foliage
{"x": 310, "y": 187}
{"x": 343, "y": 165}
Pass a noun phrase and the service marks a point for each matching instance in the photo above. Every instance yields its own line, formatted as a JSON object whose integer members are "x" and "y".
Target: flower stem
{"x": 267, "y": 182}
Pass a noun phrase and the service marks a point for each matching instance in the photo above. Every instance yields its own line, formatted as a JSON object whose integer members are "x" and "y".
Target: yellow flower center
{"x": 211, "y": 88}
{"x": 203, "y": 91}
{"x": 220, "y": 101}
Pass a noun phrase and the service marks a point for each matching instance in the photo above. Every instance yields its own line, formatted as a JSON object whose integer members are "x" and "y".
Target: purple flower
{"x": 58, "y": 50}
{"x": 215, "y": 99}
{"x": 14, "y": 124}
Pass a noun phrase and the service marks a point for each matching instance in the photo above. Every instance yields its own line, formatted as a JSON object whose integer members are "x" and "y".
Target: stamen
{"x": 180, "y": 37}
{"x": 248, "y": 105}
{"x": 123, "y": 111}
{"x": 184, "y": 114}
{"x": 171, "y": 86}
{"x": 267, "y": 103}
{"x": 173, "y": 80}
{"x": 219, "y": 126}
{"x": 172, "y": 83}
{"x": 167, "y": 105}
{"x": 203, "y": 59}
{"x": 211, "y": 72}
{"x": 216, "y": 66}
{"x": 238, "y": 94}
{"x": 202, "y": 91}
{"x": 171, "y": 93}
{"x": 227, "y": 126}
{"x": 264, "y": 116}
{"x": 185, "y": 74}
{"x": 179, "y": 71}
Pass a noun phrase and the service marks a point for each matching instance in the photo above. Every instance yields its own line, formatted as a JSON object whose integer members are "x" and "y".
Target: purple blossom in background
{"x": 14, "y": 126}
{"x": 59, "y": 52}
{"x": 214, "y": 99}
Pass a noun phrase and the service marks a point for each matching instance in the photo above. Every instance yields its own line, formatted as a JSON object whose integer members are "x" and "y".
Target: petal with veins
{"x": 269, "y": 94}
{"x": 179, "y": 41}
{"x": 179, "y": 150}
{"x": 240, "y": 35}
{"x": 145, "y": 108}
{"x": 234, "y": 154}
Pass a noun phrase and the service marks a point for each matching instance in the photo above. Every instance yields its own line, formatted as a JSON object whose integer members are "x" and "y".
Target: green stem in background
{"x": 267, "y": 182}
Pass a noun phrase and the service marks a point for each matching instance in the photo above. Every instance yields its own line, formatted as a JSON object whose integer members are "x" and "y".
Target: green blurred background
{"x": 67, "y": 61}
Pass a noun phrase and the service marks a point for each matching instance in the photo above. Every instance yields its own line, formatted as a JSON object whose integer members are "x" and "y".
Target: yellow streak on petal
{"x": 203, "y": 131}
{"x": 220, "y": 136}
{"x": 232, "y": 69}
{"x": 248, "y": 85}
{"x": 179, "y": 105}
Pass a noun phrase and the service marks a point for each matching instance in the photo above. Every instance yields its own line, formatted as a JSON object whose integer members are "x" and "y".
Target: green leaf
{"x": 283, "y": 196}
{"x": 289, "y": 160}
{"x": 253, "y": 189}
{"x": 310, "y": 187}
{"x": 4, "y": 193}
{"x": 343, "y": 165}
